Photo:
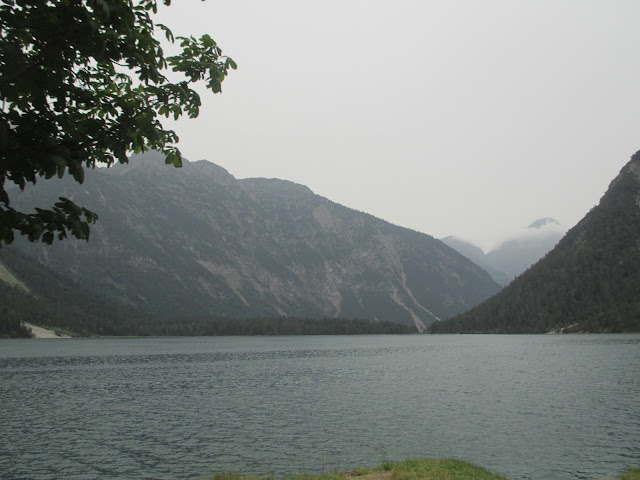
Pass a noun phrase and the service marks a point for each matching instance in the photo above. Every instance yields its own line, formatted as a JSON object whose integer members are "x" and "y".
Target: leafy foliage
{"x": 589, "y": 282}
{"x": 82, "y": 83}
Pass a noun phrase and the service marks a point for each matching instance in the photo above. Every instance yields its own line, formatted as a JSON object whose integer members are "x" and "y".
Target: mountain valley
{"x": 590, "y": 282}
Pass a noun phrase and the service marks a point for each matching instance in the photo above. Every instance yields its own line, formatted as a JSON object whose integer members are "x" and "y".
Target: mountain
{"x": 515, "y": 254}
{"x": 32, "y": 292}
{"x": 518, "y": 253}
{"x": 47, "y": 299}
{"x": 589, "y": 282}
{"x": 543, "y": 222}
{"x": 477, "y": 256}
{"x": 197, "y": 241}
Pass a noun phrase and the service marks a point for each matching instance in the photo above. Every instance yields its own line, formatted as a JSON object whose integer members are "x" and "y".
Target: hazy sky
{"x": 471, "y": 118}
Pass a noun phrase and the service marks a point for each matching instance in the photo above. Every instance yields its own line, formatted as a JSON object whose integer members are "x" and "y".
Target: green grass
{"x": 412, "y": 469}
{"x": 441, "y": 469}
{"x": 629, "y": 474}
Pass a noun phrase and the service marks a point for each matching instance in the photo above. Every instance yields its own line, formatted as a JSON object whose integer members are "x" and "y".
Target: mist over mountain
{"x": 516, "y": 253}
{"x": 197, "y": 241}
{"x": 544, "y": 222}
{"x": 589, "y": 282}
{"x": 477, "y": 256}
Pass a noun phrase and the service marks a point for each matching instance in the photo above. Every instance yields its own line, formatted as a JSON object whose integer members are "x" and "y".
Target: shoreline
{"x": 41, "y": 332}
{"x": 414, "y": 469}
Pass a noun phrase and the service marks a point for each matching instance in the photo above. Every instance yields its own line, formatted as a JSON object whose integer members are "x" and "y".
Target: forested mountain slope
{"x": 197, "y": 241}
{"x": 31, "y": 292}
{"x": 589, "y": 282}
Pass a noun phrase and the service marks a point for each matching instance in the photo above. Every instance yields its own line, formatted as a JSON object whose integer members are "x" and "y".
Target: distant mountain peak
{"x": 588, "y": 282}
{"x": 543, "y": 222}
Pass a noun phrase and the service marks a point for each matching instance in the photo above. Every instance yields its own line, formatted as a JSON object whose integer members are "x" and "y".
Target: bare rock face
{"x": 196, "y": 241}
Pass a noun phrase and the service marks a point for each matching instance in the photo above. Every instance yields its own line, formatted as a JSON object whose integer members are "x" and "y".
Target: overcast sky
{"x": 450, "y": 117}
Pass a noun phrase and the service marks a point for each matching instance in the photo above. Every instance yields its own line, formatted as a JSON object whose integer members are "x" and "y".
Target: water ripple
{"x": 539, "y": 407}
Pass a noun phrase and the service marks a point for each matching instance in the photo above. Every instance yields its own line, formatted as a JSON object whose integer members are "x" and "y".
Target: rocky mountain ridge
{"x": 198, "y": 241}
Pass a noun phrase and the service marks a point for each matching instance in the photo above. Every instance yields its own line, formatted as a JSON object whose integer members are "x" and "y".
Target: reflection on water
{"x": 541, "y": 407}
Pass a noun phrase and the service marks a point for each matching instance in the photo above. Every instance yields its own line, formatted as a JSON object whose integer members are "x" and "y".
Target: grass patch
{"x": 629, "y": 474}
{"x": 440, "y": 469}
{"x": 411, "y": 469}
{"x": 237, "y": 476}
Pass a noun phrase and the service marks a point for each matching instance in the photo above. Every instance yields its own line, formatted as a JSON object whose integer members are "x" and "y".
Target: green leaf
{"x": 105, "y": 9}
{"x": 77, "y": 172}
{"x": 99, "y": 92}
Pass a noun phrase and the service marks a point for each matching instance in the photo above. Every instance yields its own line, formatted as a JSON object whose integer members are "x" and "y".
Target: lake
{"x": 539, "y": 406}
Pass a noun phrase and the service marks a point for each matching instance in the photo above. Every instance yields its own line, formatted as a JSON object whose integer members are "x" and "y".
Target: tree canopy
{"x": 82, "y": 82}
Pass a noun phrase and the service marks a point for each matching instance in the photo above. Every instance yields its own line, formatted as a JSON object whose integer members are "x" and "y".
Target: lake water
{"x": 540, "y": 407}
